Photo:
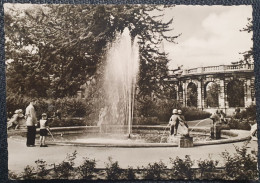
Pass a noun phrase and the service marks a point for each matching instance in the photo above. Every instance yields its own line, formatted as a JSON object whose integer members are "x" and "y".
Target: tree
{"x": 212, "y": 95}
{"x": 248, "y": 55}
{"x": 235, "y": 94}
{"x": 62, "y": 46}
{"x": 192, "y": 95}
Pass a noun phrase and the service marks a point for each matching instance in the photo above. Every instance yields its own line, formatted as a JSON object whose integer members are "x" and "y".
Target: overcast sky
{"x": 210, "y": 35}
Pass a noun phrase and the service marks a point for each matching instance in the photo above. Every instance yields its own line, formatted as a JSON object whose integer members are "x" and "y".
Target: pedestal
{"x": 185, "y": 142}
{"x": 215, "y": 131}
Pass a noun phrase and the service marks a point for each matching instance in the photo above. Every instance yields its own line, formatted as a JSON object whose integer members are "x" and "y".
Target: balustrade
{"x": 220, "y": 68}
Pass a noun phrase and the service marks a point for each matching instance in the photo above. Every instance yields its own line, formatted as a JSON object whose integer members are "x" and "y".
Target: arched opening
{"x": 173, "y": 92}
{"x": 235, "y": 94}
{"x": 211, "y": 95}
{"x": 192, "y": 95}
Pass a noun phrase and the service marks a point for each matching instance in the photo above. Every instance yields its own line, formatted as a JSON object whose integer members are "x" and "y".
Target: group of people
{"x": 31, "y": 124}
{"x": 177, "y": 121}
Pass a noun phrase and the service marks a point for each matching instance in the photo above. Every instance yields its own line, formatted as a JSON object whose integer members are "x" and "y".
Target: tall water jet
{"x": 121, "y": 71}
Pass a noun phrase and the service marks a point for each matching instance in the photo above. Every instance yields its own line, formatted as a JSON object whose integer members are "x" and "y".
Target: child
{"x": 174, "y": 122}
{"x": 183, "y": 126}
{"x": 43, "y": 129}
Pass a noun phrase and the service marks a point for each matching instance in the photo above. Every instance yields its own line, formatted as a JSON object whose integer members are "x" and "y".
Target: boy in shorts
{"x": 43, "y": 129}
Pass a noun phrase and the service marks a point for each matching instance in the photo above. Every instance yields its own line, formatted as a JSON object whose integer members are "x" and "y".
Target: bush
{"x": 145, "y": 121}
{"x": 41, "y": 168}
{"x": 129, "y": 174}
{"x": 207, "y": 168}
{"x": 249, "y": 113}
{"x": 164, "y": 108}
{"x": 65, "y": 169}
{"x": 87, "y": 169}
{"x": 113, "y": 170}
{"x": 155, "y": 171}
{"x": 192, "y": 113}
{"x": 160, "y": 108}
{"x": 72, "y": 107}
{"x": 12, "y": 175}
{"x": 66, "y": 122}
{"x": 14, "y": 101}
{"x": 241, "y": 165}
{"x": 28, "y": 173}
{"x": 181, "y": 169}
{"x": 239, "y": 124}
{"x": 69, "y": 107}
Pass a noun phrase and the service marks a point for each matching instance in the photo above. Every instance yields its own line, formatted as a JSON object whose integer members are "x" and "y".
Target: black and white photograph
{"x": 130, "y": 92}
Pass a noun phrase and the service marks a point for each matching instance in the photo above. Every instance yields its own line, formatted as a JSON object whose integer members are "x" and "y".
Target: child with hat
{"x": 174, "y": 122}
{"x": 43, "y": 129}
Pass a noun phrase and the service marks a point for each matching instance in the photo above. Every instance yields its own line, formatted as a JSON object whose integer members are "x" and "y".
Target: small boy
{"x": 43, "y": 129}
{"x": 174, "y": 122}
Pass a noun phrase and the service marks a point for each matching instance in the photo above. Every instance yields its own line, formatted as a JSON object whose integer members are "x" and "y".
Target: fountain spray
{"x": 121, "y": 70}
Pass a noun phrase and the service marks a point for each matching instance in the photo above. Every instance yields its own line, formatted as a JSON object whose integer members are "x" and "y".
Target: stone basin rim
{"x": 235, "y": 136}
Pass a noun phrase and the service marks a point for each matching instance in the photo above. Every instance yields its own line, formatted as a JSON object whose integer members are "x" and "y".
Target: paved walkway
{"x": 20, "y": 155}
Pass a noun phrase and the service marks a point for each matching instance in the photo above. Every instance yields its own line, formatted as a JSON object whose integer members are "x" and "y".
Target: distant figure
{"x": 43, "y": 129}
{"x": 237, "y": 114}
{"x": 57, "y": 114}
{"x": 15, "y": 120}
{"x": 31, "y": 123}
{"x": 174, "y": 122}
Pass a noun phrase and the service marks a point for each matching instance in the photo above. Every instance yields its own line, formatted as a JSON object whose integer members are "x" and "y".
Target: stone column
{"x": 177, "y": 92}
{"x": 202, "y": 94}
{"x": 221, "y": 95}
{"x": 180, "y": 93}
{"x": 248, "y": 97}
{"x": 252, "y": 89}
{"x": 184, "y": 93}
{"x": 226, "y": 106}
{"x": 244, "y": 90}
{"x": 199, "y": 95}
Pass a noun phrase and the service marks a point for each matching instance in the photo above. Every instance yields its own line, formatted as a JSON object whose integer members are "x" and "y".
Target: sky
{"x": 210, "y": 35}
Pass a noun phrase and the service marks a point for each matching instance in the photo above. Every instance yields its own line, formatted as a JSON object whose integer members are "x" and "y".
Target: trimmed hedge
{"x": 66, "y": 122}
{"x": 69, "y": 107}
{"x": 147, "y": 111}
{"x": 239, "y": 124}
{"x": 249, "y": 113}
{"x": 146, "y": 121}
{"x": 191, "y": 113}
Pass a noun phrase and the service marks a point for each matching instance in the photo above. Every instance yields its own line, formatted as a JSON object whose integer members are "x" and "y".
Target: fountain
{"x": 121, "y": 70}
{"x": 114, "y": 127}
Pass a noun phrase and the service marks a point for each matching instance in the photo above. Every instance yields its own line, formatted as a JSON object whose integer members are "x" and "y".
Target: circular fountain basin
{"x": 142, "y": 136}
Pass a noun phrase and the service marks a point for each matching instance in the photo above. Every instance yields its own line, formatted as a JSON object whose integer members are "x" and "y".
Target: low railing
{"x": 220, "y": 68}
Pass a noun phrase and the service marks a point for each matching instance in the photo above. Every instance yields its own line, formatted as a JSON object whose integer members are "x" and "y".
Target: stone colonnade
{"x": 246, "y": 78}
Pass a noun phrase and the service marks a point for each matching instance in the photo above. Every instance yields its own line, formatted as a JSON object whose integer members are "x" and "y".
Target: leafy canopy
{"x": 51, "y": 50}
